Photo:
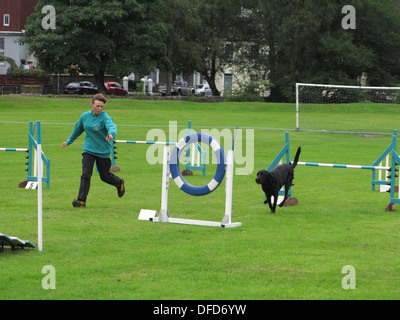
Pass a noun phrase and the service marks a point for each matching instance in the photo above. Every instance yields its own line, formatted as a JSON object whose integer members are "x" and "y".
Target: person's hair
{"x": 99, "y": 97}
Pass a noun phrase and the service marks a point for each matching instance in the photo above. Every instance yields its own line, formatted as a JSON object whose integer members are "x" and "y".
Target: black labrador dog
{"x": 273, "y": 181}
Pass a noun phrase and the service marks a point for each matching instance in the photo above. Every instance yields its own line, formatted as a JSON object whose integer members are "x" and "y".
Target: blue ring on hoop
{"x": 177, "y": 175}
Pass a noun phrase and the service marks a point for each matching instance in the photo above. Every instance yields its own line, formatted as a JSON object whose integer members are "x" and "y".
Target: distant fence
{"x": 10, "y": 89}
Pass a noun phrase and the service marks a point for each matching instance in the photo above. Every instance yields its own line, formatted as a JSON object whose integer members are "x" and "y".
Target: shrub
{"x": 248, "y": 91}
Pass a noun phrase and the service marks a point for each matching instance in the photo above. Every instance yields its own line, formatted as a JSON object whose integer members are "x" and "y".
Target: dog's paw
{"x": 266, "y": 201}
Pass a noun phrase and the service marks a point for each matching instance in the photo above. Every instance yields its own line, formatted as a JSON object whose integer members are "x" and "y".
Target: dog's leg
{"x": 270, "y": 204}
{"x": 288, "y": 185}
{"x": 268, "y": 199}
{"x": 273, "y": 207}
{"x": 285, "y": 198}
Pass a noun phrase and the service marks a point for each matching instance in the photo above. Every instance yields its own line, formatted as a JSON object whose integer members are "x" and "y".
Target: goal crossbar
{"x": 345, "y": 87}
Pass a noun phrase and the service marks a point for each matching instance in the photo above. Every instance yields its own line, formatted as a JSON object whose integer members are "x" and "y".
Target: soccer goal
{"x": 335, "y": 108}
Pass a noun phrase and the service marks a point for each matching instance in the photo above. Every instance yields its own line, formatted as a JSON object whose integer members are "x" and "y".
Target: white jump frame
{"x": 164, "y": 215}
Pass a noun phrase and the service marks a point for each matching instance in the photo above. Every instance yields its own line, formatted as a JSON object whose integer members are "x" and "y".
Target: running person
{"x": 100, "y": 131}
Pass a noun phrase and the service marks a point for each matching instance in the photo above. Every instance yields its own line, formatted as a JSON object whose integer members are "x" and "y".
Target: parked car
{"x": 83, "y": 87}
{"x": 179, "y": 87}
{"x": 114, "y": 88}
{"x": 203, "y": 90}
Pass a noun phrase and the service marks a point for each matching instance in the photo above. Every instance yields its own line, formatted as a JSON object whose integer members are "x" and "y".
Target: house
{"x": 13, "y": 15}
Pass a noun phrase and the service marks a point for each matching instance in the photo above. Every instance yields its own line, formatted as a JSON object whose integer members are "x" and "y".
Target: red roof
{"x": 18, "y": 11}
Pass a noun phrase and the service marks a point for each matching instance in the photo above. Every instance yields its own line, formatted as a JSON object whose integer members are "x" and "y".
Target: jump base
{"x": 390, "y": 207}
{"x": 23, "y": 184}
{"x": 291, "y": 202}
{"x": 198, "y": 222}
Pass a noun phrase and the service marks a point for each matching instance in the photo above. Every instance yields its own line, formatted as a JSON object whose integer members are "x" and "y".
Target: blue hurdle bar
{"x": 341, "y": 166}
{"x": 14, "y": 149}
{"x": 146, "y": 142}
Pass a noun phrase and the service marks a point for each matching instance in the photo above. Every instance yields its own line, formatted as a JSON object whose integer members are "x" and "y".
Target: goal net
{"x": 347, "y": 108}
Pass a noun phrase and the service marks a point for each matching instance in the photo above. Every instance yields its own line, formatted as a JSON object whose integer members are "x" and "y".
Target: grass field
{"x": 104, "y": 252}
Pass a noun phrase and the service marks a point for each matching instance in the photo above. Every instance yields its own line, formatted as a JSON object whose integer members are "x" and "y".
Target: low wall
{"x": 19, "y": 80}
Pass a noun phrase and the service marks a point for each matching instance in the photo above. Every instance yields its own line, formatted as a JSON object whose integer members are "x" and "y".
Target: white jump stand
{"x": 165, "y": 216}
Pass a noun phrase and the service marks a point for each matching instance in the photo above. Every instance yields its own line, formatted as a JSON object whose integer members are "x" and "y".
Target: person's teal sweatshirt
{"x": 96, "y": 127}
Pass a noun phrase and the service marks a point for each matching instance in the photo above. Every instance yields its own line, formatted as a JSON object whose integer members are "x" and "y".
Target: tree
{"x": 10, "y": 61}
{"x": 197, "y": 37}
{"x": 212, "y": 42}
{"x": 115, "y": 36}
{"x": 303, "y": 41}
{"x": 378, "y": 28}
{"x": 181, "y": 19}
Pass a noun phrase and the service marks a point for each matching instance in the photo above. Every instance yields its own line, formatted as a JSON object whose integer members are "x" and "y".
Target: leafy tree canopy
{"x": 284, "y": 41}
{"x": 115, "y": 36}
{"x": 305, "y": 42}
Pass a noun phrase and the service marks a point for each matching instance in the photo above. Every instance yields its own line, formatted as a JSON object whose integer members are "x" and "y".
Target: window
{"x": 254, "y": 77}
{"x": 6, "y": 20}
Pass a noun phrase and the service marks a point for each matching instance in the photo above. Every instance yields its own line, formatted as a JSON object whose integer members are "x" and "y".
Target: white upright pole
{"x": 387, "y": 165}
{"x": 164, "y": 214}
{"x": 34, "y": 163}
{"x": 229, "y": 188}
{"x": 198, "y": 157}
{"x": 193, "y": 152}
{"x": 39, "y": 177}
{"x": 297, "y": 107}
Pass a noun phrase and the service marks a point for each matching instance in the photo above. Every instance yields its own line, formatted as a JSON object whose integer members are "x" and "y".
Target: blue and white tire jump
{"x": 176, "y": 173}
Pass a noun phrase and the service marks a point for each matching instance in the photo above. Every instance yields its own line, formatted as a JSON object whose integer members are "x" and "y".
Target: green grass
{"x": 371, "y": 117}
{"x": 104, "y": 251}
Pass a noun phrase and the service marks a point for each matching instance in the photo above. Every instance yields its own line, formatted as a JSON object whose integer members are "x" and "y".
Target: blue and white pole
{"x": 341, "y": 166}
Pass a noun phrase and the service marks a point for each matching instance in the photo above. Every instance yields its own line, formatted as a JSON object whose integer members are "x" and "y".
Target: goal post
{"x": 322, "y": 107}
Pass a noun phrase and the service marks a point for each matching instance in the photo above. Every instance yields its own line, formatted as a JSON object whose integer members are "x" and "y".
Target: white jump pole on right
{"x": 229, "y": 188}
{"x": 39, "y": 177}
{"x": 164, "y": 214}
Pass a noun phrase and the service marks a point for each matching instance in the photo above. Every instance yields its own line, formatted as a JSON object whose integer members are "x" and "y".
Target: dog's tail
{"x": 296, "y": 158}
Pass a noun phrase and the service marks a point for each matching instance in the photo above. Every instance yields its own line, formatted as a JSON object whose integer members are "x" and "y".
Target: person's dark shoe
{"x": 78, "y": 203}
{"x": 121, "y": 189}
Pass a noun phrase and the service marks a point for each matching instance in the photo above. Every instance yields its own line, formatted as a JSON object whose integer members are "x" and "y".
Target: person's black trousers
{"x": 103, "y": 166}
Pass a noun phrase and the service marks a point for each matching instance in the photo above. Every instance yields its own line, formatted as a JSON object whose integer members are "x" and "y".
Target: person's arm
{"x": 111, "y": 129}
{"x": 78, "y": 130}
